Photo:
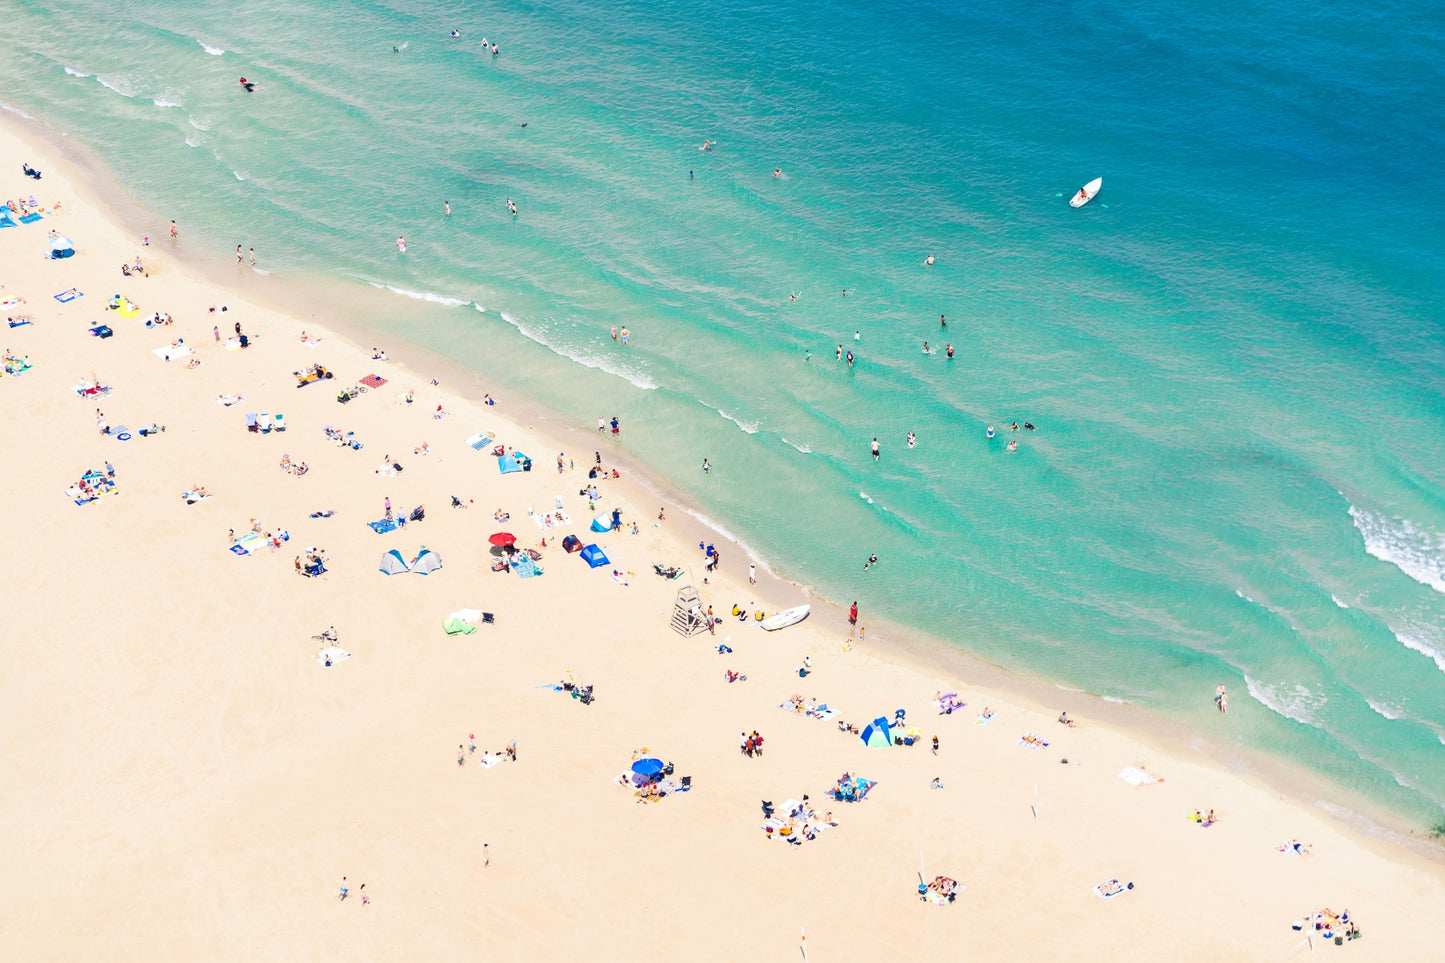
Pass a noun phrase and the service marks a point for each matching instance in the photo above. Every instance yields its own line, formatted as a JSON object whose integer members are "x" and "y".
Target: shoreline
{"x": 215, "y": 750}
{"x": 319, "y": 297}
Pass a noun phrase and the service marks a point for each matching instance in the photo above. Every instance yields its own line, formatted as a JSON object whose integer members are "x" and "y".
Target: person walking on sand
{"x": 1221, "y": 699}
{"x": 174, "y": 233}
{"x": 239, "y": 259}
{"x": 361, "y": 891}
{"x": 752, "y": 575}
{"x": 935, "y": 745}
{"x": 853, "y": 613}
{"x": 486, "y": 855}
{"x": 253, "y": 257}
{"x": 560, "y": 455}
{"x": 344, "y": 890}
{"x": 216, "y": 332}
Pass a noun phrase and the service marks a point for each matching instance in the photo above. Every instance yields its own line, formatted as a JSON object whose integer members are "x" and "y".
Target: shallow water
{"x": 1233, "y": 355}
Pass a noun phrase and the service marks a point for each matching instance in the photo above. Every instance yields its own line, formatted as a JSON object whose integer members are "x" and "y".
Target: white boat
{"x": 786, "y": 618}
{"x": 1086, "y": 193}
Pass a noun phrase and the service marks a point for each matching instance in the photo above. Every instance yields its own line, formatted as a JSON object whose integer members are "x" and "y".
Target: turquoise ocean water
{"x": 1233, "y": 356}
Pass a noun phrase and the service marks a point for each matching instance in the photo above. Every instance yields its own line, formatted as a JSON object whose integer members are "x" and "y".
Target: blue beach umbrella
{"x": 647, "y": 767}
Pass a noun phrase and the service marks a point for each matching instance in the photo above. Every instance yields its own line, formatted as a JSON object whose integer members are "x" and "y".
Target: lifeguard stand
{"x": 688, "y": 617}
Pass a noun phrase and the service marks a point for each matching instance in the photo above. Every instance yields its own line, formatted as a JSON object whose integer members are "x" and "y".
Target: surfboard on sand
{"x": 1086, "y": 193}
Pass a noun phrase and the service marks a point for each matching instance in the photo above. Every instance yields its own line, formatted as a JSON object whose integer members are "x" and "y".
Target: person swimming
{"x": 1029, "y": 426}
{"x": 250, "y": 85}
{"x": 1013, "y": 446}
{"x": 455, "y": 33}
{"x": 912, "y": 440}
{"x": 989, "y": 433}
{"x": 929, "y": 260}
{"x": 872, "y": 560}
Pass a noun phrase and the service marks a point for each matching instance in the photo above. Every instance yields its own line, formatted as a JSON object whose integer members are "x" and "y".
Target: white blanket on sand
{"x": 169, "y": 351}
{"x": 336, "y": 654}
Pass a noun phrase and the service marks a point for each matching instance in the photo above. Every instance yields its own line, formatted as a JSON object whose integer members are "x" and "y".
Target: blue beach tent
{"x": 510, "y": 462}
{"x": 393, "y": 564}
{"x": 426, "y": 562}
{"x": 7, "y": 219}
{"x": 876, "y": 733}
{"x": 61, "y": 247}
{"x": 594, "y": 556}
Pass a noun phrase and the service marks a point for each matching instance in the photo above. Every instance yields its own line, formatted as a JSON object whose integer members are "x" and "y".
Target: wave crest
{"x": 1291, "y": 701}
{"x": 1430, "y": 651}
{"x": 76, "y": 73}
{"x": 213, "y": 51}
{"x": 421, "y": 295}
{"x": 1417, "y": 552}
{"x": 597, "y": 362}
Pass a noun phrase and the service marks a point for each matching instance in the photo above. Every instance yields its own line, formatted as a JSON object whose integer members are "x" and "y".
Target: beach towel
{"x": 191, "y": 497}
{"x": 488, "y": 761}
{"x": 467, "y": 615}
{"x": 457, "y": 627}
{"x": 1111, "y": 888}
{"x": 65, "y": 297}
{"x": 87, "y": 390}
{"x": 382, "y": 526}
{"x": 618, "y": 577}
{"x": 171, "y": 351}
{"x": 20, "y": 322}
{"x": 546, "y": 520}
{"x": 1031, "y": 740}
{"x": 480, "y": 441}
{"x": 983, "y": 720}
{"x": 373, "y": 381}
{"x": 10, "y": 302}
{"x": 336, "y": 654}
{"x": 310, "y": 344}
{"x": 17, "y": 366}
{"x": 524, "y": 567}
{"x": 126, "y": 308}
{"x": 30, "y": 218}
{"x": 249, "y": 542}
{"x": 1137, "y": 777}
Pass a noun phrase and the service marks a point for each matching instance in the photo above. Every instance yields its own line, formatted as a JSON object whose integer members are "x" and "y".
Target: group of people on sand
{"x": 297, "y": 468}
{"x": 133, "y": 269}
{"x": 751, "y": 745}
{"x": 23, "y": 208}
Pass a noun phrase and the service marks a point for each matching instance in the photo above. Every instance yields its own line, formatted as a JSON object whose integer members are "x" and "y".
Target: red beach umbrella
{"x": 503, "y": 538}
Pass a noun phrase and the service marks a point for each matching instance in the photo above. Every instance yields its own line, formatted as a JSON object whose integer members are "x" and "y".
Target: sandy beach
{"x": 186, "y": 779}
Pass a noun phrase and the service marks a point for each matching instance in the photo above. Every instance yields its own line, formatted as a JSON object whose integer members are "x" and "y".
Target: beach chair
{"x": 686, "y": 783}
{"x": 251, "y": 422}
{"x": 263, "y": 422}
{"x": 488, "y": 618}
{"x": 279, "y": 424}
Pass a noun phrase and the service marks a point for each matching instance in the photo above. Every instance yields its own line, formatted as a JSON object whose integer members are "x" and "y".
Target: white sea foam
{"x": 1122, "y": 702}
{"x": 1381, "y": 710}
{"x": 239, "y": 175}
{"x": 192, "y": 142}
{"x": 213, "y": 51}
{"x": 421, "y": 295}
{"x": 1243, "y": 596}
{"x": 1411, "y": 640}
{"x": 750, "y": 428}
{"x": 597, "y": 362}
{"x": 164, "y": 101}
{"x": 804, "y": 448}
{"x": 76, "y": 73}
{"x": 479, "y": 307}
{"x": 115, "y": 85}
{"x": 15, "y": 110}
{"x": 196, "y": 123}
{"x": 1418, "y": 553}
{"x": 747, "y": 549}
{"x": 1293, "y": 702}
{"x": 866, "y": 497}
{"x": 1336, "y": 599}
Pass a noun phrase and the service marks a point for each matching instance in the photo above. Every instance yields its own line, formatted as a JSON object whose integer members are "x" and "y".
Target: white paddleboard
{"x": 786, "y": 618}
{"x": 1086, "y": 193}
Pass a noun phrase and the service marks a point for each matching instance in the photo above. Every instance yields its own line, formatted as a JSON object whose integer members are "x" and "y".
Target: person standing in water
{"x": 850, "y": 359}
{"x": 706, "y": 468}
{"x": 239, "y": 258}
{"x": 447, "y": 206}
{"x": 942, "y": 323}
{"x": 875, "y": 449}
{"x": 912, "y": 440}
